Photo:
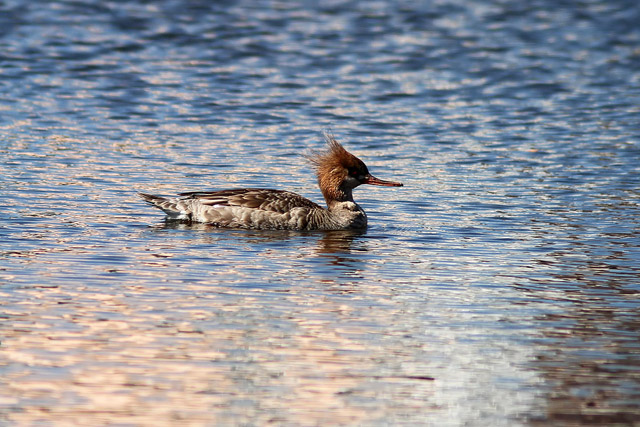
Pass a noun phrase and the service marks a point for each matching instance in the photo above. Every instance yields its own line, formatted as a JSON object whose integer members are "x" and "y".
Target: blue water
{"x": 499, "y": 286}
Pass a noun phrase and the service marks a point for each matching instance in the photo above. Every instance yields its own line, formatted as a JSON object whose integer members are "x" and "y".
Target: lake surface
{"x": 500, "y": 286}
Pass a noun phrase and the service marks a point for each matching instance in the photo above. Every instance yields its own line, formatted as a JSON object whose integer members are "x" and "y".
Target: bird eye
{"x": 353, "y": 172}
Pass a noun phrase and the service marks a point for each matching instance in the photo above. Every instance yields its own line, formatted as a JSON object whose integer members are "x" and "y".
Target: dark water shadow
{"x": 587, "y": 351}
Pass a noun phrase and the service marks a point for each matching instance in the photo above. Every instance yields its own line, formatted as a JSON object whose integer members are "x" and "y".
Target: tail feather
{"x": 168, "y": 206}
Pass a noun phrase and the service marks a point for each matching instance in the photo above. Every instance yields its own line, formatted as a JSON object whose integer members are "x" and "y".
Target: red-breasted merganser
{"x": 338, "y": 171}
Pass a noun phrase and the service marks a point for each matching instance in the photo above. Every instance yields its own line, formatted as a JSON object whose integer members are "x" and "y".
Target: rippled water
{"x": 498, "y": 287}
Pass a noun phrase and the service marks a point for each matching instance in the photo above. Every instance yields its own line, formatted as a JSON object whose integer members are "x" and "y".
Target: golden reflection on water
{"x": 215, "y": 354}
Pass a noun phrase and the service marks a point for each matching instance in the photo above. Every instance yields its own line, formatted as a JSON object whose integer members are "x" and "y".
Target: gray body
{"x": 256, "y": 208}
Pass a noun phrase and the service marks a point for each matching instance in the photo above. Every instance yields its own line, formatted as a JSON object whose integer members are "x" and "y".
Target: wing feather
{"x": 278, "y": 201}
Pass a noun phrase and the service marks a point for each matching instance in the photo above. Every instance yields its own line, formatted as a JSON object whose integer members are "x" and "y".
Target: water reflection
{"x": 588, "y": 349}
{"x": 208, "y": 349}
{"x": 339, "y": 242}
{"x": 328, "y": 243}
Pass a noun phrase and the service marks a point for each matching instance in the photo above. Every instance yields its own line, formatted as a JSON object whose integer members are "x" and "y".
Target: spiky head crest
{"x": 338, "y": 170}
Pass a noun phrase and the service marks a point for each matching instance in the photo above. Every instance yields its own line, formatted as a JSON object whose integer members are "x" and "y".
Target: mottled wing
{"x": 277, "y": 201}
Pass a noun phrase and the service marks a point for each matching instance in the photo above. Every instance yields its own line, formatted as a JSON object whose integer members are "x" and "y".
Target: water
{"x": 498, "y": 287}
